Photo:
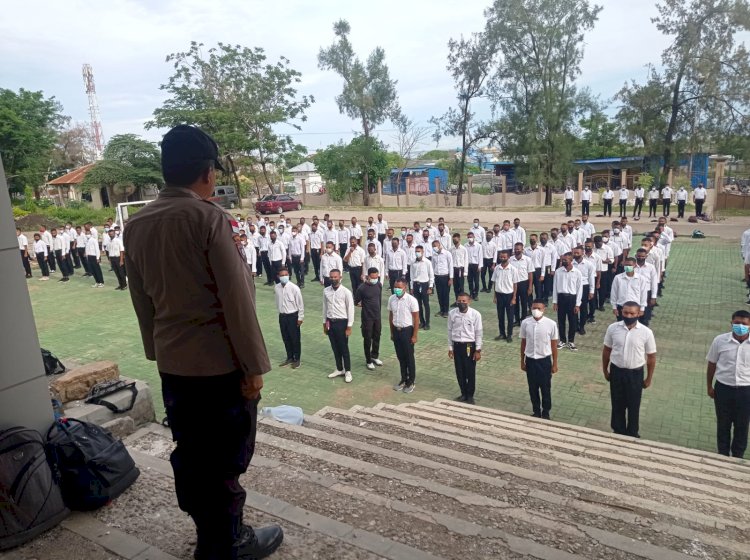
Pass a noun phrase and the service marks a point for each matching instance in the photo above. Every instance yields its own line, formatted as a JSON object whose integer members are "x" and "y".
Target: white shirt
{"x": 47, "y": 238}
{"x": 666, "y": 192}
{"x": 623, "y": 194}
{"x": 251, "y": 257}
{"x": 316, "y": 239}
{"x": 331, "y": 235}
{"x": 402, "y": 309}
{"x": 536, "y": 255}
{"x": 58, "y": 243}
{"x": 460, "y": 258}
{"x": 356, "y": 256}
{"x": 474, "y": 252}
{"x": 338, "y": 304}
{"x": 479, "y": 232}
{"x": 594, "y": 260}
{"x": 520, "y": 234}
{"x": 23, "y": 242}
{"x": 732, "y": 360}
{"x": 355, "y": 231}
{"x": 745, "y": 243}
{"x": 568, "y": 282}
{"x": 329, "y": 263}
{"x": 92, "y": 247}
{"x": 639, "y": 192}
{"x": 297, "y": 246}
{"x": 568, "y": 194}
{"x": 700, "y": 193}
{"x": 568, "y": 240}
{"x": 263, "y": 242}
{"x": 289, "y": 300}
{"x": 442, "y": 264}
{"x": 421, "y": 271}
{"x": 608, "y": 195}
{"x": 579, "y": 235}
{"x": 378, "y": 246}
{"x": 505, "y": 279}
{"x": 586, "y": 195}
{"x": 588, "y": 274}
{"x": 606, "y": 256}
{"x": 40, "y": 247}
{"x": 81, "y": 241}
{"x": 539, "y": 336}
{"x": 489, "y": 250}
{"x": 629, "y": 288}
{"x": 397, "y": 260}
{"x": 343, "y": 236}
{"x": 381, "y": 227}
{"x": 374, "y": 262}
{"x": 550, "y": 255}
{"x": 649, "y": 272}
{"x": 682, "y": 194}
{"x": 524, "y": 266}
{"x": 505, "y": 240}
{"x": 276, "y": 251}
{"x": 445, "y": 240}
{"x": 465, "y": 327}
{"x": 629, "y": 346}
{"x": 66, "y": 242}
{"x": 116, "y": 247}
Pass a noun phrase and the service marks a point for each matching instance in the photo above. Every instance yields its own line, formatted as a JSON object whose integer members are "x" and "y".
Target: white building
{"x": 306, "y": 171}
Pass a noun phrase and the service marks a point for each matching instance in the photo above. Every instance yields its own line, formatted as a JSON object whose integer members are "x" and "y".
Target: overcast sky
{"x": 126, "y": 42}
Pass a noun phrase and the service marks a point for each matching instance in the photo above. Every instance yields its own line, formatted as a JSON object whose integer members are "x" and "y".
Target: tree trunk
{"x": 672, "y": 128}
{"x": 236, "y": 179}
{"x": 366, "y": 185}
{"x": 265, "y": 176}
{"x": 462, "y": 166}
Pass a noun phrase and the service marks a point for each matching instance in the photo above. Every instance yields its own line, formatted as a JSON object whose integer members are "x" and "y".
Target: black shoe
{"x": 460, "y": 399}
{"x": 438, "y": 314}
{"x": 29, "y": 276}
{"x": 118, "y": 288}
{"x": 500, "y": 337}
{"x": 286, "y": 362}
{"x": 87, "y": 274}
{"x": 509, "y": 339}
{"x": 469, "y": 400}
{"x": 517, "y": 324}
{"x": 427, "y": 327}
{"x": 295, "y": 365}
{"x": 421, "y": 325}
{"x": 475, "y": 297}
{"x": 250, "y": 545}
{"x": 536, "y": 415}
{"x": 600, "y": 308}
{"x": 581, "y": 331}
{"x": 545, "y": 416}
{"x": 592, "y": 321}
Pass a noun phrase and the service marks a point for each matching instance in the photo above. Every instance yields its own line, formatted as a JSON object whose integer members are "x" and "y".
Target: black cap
{"x": 184, "y": 149}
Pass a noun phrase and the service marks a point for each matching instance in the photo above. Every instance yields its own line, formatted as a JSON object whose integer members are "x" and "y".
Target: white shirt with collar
{"x": 550, "y": 256}
{"x": 624, "y": 194}
{"x": 666, "y": 193}
{"x": 490, "y": 249}
{"x": 397, "y": 260}
{"x": 682, "y": 195}
{"x": 381, "y": 227}
{"x": 579, "y": 235}
{"x": 442, "y": 263}
{"x": 479, "y": 232}
{"x": 445, "y": 240}
{"x": 568, "y": 282}
{"x": 460, "y": 257}
{"x": 474, "y": 252}
{"x": 331, "y": 235}
{"x": 608, "y": 195}
{"x": 629, "y": 346}
{"x": 316, "y": 240}
{"x": 507, "y": 239}
{"x": 92, "y": 247}
{"x": 343, "y": 236}
{"x": 588, "y": 274}
{"x": 263, "y": 242}
{"x": 374, "y": 262}
{"x": 540, "y": 336}
{"x": 297, "y": 245}
{"x": 629, "y": 288}
{"x": 520, "y": 234}
{"x": 524, "y": 266}
{"x": 40, "y": 247}
{"x": 506, "y": 278}
{"x": 569, "y": 193}
{"x": 732, "y": 359}
{"x": 606, "y": 256}
{"x": 289, "y": 300}
{"x": 586, "y": 195}
{"x": 378, "y": 246}
{"x": 421, "y": 271}
{"x": 699, "y": 193}
{"x": 595, "y": 260}
{"x": 465, "y": 327}
{"x": 23, "y": 242}
{"x": 402, "y": 309}
{"x": 355, "y": 231}
{"x": 639, "y": 192}
{"x": 338, "y": 304}
{"x": 653, "y": 194}
{"x": 649, "y": 272}
{"x": 58, "y": 243}
{"x": 116, "y": 247}
{"x": 277, "y": 251}
{"x": 251, "y": 257}
{"x": 329, "y": 263}
{"x": 47, "y": 237}
{"x": 356, "y": 256}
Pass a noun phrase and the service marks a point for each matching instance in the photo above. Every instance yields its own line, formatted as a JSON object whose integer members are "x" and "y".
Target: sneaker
{"x": 572, "y": 346}
{"x": 94, "y": 285}
{"x": 370, "y": 366}
{"x": 44, "y": 278}
{"x": 348, "y": 377}
{"x": 100, "y": 285}
{"x": 286, "y": 362}
{"x": 399, "y": 386}
{"x": 500, "y": 337}
{"x": 410, "y": 389}
{"x": 509, "y": 339}
{"x": 377, "y": 362}
{"x": 592, "y": 321}
{"x": 295, "y": 365}
{"x": 335, "y": 374}
{"x": 427, "y": 327}
{"x": 561, "y": 344}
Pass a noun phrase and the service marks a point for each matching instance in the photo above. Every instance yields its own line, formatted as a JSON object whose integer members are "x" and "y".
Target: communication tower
{"x": 96, "y": 119}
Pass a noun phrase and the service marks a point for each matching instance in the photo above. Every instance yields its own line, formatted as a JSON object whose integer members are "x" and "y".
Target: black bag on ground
{"x": 30, "y": 500}
{"x": 92, "y": 466}
{"x": 52, "y": 366}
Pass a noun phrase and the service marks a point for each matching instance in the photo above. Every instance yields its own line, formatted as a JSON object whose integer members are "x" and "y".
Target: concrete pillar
{"x": 24, "y": 392}
{"x": 670, "y": 176}
{"x": 503, "y": 190}
{"x": 718, "y": 180}
{"x": 379, "y": 195}
{"x": 438, "y": 194}
{"x": 624, "y": 178}
{"x": 407, "y": 194}
{"x": 303, "y": 183}
{"x": 468, "y": 191}
{"x": 580, "y": 187}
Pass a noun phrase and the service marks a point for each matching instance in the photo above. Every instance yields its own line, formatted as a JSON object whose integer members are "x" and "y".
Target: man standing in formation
{"x": 586, "y": 201}
{"x": 403, "y": 318}
{"x": 23, "y": 246}
{"x": 291, "y": 310}
{"x": 567, "y": 293}
{"x": 117, "y": 259}
{"x": 338, "y": 318}
{"x": 442, "y": 265}
{"x": 422, "y": 279}
{"x": 623, "y": 201}
{"x": 369, "y": 297}
{"x": 666, "y": 199}
{"x": 568, "y": 200}
{"x": 699, "y": 197}
{"x": 465, "y": 345}
{"x": 539, "y": 337}
{"x": 639, "y": 193}
{"x": 505, "y": 278}
{"x": 681, "y": 196}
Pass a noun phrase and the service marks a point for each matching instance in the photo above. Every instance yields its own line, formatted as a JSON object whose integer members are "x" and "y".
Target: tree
{"x": 534, "y": 86}
{"x": 369, "y": 94}
{"x": 29, "y": 125}
{"x": 407, "y": 139}
{"x": 348, "y": 167}
{"x": 240, "y": 99}
{"x": 470, "y": 63}
{"x": 598, "y": 136}
{"x": 74, "y": 147}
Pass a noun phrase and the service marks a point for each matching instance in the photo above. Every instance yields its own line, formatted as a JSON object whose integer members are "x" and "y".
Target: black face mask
{"x": 462, "y": 307}
{"x": 503, "y": 261}
{"x": 630, "y": 320}
{"x": 518, "y": 253}
{"x": 641, "y": 261}
{"x": 543, "y": 242}
{"x": 589, "y": 251}
{"x": 335, "y": 283}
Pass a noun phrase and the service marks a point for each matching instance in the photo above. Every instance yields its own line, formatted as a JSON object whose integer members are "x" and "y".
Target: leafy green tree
{"x": 642, "y": 113}
{"x": 534, "y": 88}
{"x": 241, "y": 99}
{"x": 346, "y": 167}
{"x": 598, "y": 136}
{"x": 29, "y": 125}
{"x": 74, "y": 147}
{"x": 369, "y": 94}
{"x": 437, "y": 155}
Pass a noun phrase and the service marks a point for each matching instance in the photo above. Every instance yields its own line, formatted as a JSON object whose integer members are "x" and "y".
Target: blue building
{"x": 420, "y": 180}
{"x": 601, "y": 172}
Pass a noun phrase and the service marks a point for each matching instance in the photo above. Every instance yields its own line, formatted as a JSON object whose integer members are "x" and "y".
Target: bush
{"x": 19, "y": 212}
{"x": 80, "y": 215}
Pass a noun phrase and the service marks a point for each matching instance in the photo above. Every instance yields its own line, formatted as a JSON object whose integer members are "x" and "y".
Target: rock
{"x": 120, "y": 427}
{"x": 76, "y": 384}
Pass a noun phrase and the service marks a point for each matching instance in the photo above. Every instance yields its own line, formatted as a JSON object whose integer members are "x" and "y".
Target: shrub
{"x": 19, "y": 212}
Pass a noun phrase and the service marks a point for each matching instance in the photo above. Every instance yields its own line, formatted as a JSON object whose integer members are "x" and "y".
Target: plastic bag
{"x": 284, "y": 413}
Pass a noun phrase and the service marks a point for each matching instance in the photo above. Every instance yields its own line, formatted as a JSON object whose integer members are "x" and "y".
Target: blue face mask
{"x": 740, "y": 330}
{"x": 283, "y": 279}
{"x": 398, "y": 291}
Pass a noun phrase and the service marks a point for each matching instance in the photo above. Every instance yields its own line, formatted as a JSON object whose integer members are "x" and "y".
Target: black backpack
{"x": 52, "y": 366}
{"x": 92, "y": 466}
{"x": 30, "y": 500}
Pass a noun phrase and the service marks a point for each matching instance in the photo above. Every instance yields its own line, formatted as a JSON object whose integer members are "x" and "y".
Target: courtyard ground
{"x": 80, "y": 324}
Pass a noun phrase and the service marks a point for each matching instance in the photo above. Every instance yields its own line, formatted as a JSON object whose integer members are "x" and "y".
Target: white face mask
{"x": 329, "y": 251}
{"x": 537, "y": 313}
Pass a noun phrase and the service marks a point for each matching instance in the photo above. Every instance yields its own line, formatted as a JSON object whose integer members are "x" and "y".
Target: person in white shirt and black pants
{"x": 23, "y": 246}
{"x": 628, "y": 347}
{"x": 640, "y": 193}
{"x": 539, "y": 337}
{"x": 40, "y": 251}
{"x": 567, "y": 293}
{"x": 465, "y": 334}
{"x": 422, "y": 282}
{"x": 505, "y": 277}
{"x": 338, "y": 318}
{"x": 403, "y": 317}
{"x": 729, "y": 372}
{"x": 442, "y": 266}
{"x": 291, "y": 310}
{"x": 117, "y": 259}
{"x": 354, "y": 258}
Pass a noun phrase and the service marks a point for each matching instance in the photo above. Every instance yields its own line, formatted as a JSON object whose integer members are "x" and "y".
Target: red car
{"x": 278, "y": 203}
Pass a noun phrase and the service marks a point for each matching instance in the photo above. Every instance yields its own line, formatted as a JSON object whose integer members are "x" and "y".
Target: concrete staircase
{"x": 442, "y": 479}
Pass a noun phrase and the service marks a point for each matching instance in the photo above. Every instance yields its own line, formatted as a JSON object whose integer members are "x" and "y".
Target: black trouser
{"x": 84, "y": 261}
{"x": 69, "y": 261}
{"x": 583, "y": 309}
{"x": 405, "y": 354}
{"x": 393, "y": 275}
{"x": 466, "y": 367}
{"x": 51, "y": 259}
{"x": 419, "y": 291}
{"x": 275, "y": 267}
{"x": 213, "y": 449}
{"x": 638, "y": 207}
{"x": 665, "y": 204}
{"x": 592, "y": 304}
{"x": 605, "y": 285}
{"x": 265, "y": 263}
{"x": 607, "y": 206}
{"x": 699, "y": 206}
{"x": 458, "y": 280}
{"x": 623, "y": 208}
{"x": 473, "y": 280}
{"x": 25, "y": 261}
{"x": 315, "y": 256}
{"x": 62, "y": 263}
{"x": 732, "y": 409}
{"x": 290, "y": 334}
{"x": 42, "y": 262}
{"x": 95, "y": 269}
{"x": 522, "y": 301}
{"x": 119, "y": 271}
{"x": 648, "y": 312}
{"x": 297, "y": 266}
{"x": 568, "y": 206}
{"x": 342, "y": 251}
{"x": 487, "y": 271}
{"x": 355, "y": 275}
{"x": 339, "y": 344}
{"x": 566, "y": 304}
{"x": 305, "y": 264}
{"x": 652, "y": 202}
{"x": 538, "y": 288}
{"x": 371, "y": 329}
{"x": 76, "y": 256}
{"x": 539, "y": 379}
{"x": 680, "y": 208}
{"x": 548, "y": 284}
{"x": 443, "y": 291}
{"x": 585, "y": 205}
{"x": 625, "y": 389}
{"x": 504, "y": 314}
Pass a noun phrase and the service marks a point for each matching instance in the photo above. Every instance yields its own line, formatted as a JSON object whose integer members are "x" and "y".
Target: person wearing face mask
{"x": 506, "y": 238}
{"x": 623, "y": 199}
{"x": 568, "y": 195}
{"x": 681, "y": 197}
{"x": 728, "y": 380}
{"x": 372, "y": 238}
{"x": 699, "y": 197}
{"x": 396, "y": 262}
{"x": 403, "y": 318}
{"x": 443, "y": 237}
{"x": 460, "y": 265}
{"x": 628, "y": 286}
{"x": 586, "y": 200}
{"x": 369, "y": 296}
{"x": 628, "y": 347}
{"x": 588, "y": 277}
{"x": 567, "y": 293}
{"x": 518, "y": 232}
{"x": 265, "y": 263}
{"x": 442, "y": 265}
{"x": 465, "y": 345}
{"x": 506, "y": 278}
{"x": 551, "y": 257}
{"x": 297, "y": 248}
{"x": 477, "y": 231}
{"x": 355, "y": 260}
{"x": 666, "y": 199}
{"x": 250, "y": 255}
{"x": 489, "y": 255}
{"x": 329, "y": 262}
{"x": 474, "y": 254}
{"x": 647, "y": 271}
{"x": 277, "y": 256}
{"x": 371, "y": 226}
{"x": 422, "y": 282}
{"x": 374, "y": 260}
{"x": 653, "y": 200}
{"x": 338, "y": 318}
{"x": 330, "y": 234}
{"x": 639, "y": 193}
{"x": 291, "y": 310}
{"x": 92, "y": 256}
{"x": 607, "y": 257}
{"x": 525, "y": 268}
{"x": 425, "y": 241}
{"x": 355, "y": 230}
{"x": 591, "y": 257}
{"x": 618, "y": 242}
{"x": 539, "y": 338}
{"x": 607, "y": 197}
{"x": 343, "y": 242}
{"x": 382, "y": 228}
{"x": 317, "y": 248}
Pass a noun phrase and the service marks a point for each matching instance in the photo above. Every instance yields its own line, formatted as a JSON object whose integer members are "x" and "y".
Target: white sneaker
{"x": 335, "y": 374}
{"x": 370, "y": 366}
{"x": 377, "y": 362}
{"x": 348, "y": 377}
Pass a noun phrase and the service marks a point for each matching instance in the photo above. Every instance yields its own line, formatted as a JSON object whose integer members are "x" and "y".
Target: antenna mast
{"x": 96, "y": 119}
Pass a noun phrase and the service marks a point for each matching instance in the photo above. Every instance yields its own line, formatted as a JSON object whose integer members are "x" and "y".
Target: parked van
{"x": 225, "y": 196}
